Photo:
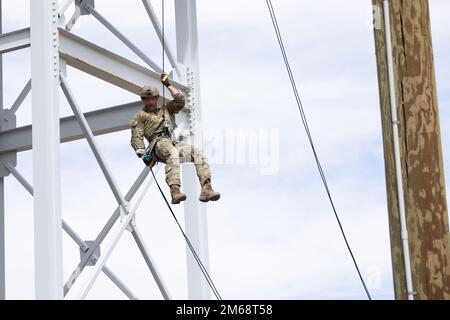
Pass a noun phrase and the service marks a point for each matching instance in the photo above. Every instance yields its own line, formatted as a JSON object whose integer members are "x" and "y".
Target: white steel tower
{"x": 53, "y": 47}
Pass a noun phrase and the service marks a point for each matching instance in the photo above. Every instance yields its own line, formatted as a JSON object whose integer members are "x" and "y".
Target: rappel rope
{"x": 305, "y": 124}
{"x": 188, "y": 242}
{"x": 163, "y": 40}
{"x": 191, "y": 247}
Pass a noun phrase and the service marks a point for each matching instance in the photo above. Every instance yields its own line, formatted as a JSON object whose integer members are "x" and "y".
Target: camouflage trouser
{"x": 172, "y": 156}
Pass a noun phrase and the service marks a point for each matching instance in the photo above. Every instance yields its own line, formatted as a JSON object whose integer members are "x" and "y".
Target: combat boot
{"x": 177, "y": 195}
{"x": 208, "y": 194}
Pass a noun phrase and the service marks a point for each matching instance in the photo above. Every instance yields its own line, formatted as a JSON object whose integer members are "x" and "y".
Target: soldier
{"x": 156, "y": 126}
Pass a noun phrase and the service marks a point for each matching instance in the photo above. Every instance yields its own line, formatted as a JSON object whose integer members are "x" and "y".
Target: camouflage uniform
{"x": 150, "y": 125}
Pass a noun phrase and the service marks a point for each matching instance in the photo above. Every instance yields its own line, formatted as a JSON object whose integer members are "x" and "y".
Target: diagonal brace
{"x": 121, "y": 37}
{"x": 82, "y": 244}
{"x": 92, "y": 143}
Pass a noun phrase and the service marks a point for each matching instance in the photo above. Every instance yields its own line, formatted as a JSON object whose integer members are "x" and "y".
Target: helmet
{"x": 149, "y": 91}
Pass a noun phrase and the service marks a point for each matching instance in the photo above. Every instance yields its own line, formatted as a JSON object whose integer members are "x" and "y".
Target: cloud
{"x": 269, "y": 236}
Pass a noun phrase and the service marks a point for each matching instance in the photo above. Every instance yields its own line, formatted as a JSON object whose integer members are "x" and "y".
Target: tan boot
{"x": 177, "y": 195}
{"x": 208, "y": 194}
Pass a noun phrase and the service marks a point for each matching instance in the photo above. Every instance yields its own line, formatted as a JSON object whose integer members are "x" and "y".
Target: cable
{"x": 163, "y": 45}
{"x": 305, "y": 124}
{"x": 191, "y": 247}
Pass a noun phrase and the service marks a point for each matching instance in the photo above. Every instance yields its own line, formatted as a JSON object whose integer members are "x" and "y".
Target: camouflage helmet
{"x": 149, "y": 91}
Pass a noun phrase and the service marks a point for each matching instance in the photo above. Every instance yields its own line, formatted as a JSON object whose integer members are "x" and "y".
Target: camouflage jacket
{"x": 146, "y": 124}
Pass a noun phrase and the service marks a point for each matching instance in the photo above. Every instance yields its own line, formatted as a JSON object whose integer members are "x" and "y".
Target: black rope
{"x": 305, "y": 124}
{"x": 191, "y": 247}
{"x": 188, "y": 242}
{"x": 163, "y": 46}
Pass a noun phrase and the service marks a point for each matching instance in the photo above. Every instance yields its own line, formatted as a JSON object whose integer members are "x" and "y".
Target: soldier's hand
{"x": 140, "y": 153}
{"x": 165, "y": 80}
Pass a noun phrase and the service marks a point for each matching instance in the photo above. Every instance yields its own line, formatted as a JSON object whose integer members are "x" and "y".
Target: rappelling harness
{"x": 150, "y": 158}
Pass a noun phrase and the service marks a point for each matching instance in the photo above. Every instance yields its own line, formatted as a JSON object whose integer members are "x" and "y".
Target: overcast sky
{"x": 273, "y": 234}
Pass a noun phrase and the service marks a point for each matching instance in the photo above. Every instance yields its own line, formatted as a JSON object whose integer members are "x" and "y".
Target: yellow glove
{"x": 165, "y": 80}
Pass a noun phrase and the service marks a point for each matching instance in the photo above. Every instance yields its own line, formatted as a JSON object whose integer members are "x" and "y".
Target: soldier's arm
{"x": 178, "y": 101}
{"x": 137, "y": 134}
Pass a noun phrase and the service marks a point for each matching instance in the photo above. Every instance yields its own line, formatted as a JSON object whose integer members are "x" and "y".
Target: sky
{"x": 273, "y": 234}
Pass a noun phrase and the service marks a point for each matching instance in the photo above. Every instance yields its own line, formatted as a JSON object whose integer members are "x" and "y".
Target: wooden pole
{"x": 421, "y": 150}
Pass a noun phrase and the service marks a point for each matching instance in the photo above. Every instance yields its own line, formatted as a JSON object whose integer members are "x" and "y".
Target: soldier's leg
{"x": 168, "y": 154}
{"x": 189, "y": 153}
